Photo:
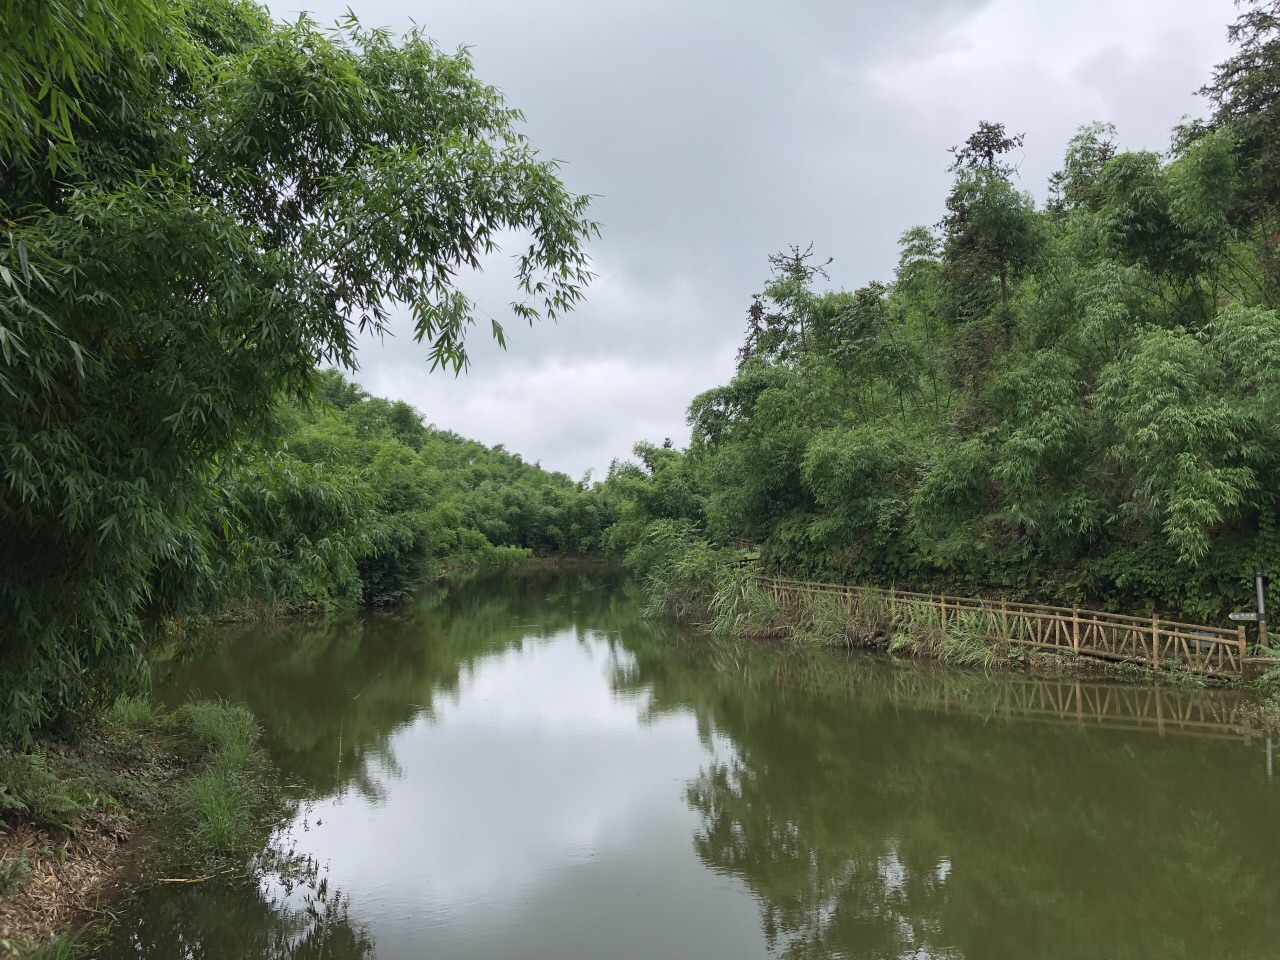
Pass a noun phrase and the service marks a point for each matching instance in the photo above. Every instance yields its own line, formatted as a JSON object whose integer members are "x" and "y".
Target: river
{"x": 521, "y": 767}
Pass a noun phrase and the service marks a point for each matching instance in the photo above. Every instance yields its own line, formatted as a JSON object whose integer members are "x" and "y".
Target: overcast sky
{"x": 718, "y": 132}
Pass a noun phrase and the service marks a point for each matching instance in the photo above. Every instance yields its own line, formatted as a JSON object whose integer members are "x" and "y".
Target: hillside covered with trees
{"x": 1069, "y": 400}
{"x": 351, "y": 498}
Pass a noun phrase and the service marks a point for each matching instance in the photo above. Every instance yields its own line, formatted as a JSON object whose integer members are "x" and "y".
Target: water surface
{"x": 520, "y": 766}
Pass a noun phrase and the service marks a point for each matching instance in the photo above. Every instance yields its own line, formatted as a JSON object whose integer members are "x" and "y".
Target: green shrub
{"x": 30, "y": 791}
{"x": 681, "y": 569}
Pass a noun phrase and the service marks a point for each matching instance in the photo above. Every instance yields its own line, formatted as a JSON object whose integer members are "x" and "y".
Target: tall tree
{"x": 989, "y": 231}
{"x": 199, "y": 206}
{"x": 782, "y": 332}
{"x": 1245, "y": 93}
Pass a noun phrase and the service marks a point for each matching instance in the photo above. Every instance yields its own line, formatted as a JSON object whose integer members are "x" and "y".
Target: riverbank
{"x": 77, "y": 818}
{"x": 735, "y": 602}
{"x": 269, "y": 611}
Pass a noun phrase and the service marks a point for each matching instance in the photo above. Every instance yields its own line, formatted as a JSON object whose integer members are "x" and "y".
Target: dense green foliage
{"x": 1072, "y": 401}
{"x": 354, "y": 498}
{"x": 199, "y": 206}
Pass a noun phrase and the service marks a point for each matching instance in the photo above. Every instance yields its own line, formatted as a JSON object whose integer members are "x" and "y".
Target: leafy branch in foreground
{"x": 198, "y": 206}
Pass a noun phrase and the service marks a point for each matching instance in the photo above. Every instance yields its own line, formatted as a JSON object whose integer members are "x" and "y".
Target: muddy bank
{"x": 143, "y": 796}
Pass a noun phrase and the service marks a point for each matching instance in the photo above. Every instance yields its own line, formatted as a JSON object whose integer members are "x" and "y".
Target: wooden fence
{"x": 1211, "y": 651}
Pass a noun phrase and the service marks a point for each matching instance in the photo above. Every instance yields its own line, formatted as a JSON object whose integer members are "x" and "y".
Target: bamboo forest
{"x": 940, "y": 633}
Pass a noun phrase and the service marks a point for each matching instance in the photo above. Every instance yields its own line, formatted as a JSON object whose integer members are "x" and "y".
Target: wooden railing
{"x": 1212, "y": 651}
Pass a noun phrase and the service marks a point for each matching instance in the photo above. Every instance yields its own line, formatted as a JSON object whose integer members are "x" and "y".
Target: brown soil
{"x": 54, "y": 881}
{"x": 65, "y": 881}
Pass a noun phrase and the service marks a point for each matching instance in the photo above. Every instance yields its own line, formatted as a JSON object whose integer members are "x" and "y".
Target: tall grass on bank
{"x": 972, "y": 639}
{"x": 66, "y": 804}
{"x": 856, "y": 619}
{"x": 692, "y": 582}
{"x": 741, "y": 607}
{"x": 681, "y": 571}
{"x": 222, "y": 802}
{"x": 227, "y": 804}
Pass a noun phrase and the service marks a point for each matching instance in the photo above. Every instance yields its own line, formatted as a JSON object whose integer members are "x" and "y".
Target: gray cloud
{"x": 717, "y": 132}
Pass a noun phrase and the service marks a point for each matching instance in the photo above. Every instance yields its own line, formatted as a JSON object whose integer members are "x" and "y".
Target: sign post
{"x": 1260, "y": 574}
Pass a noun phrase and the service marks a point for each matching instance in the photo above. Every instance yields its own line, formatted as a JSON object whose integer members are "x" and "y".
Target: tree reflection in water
{"x": 332, "y": 696}
{"x": 872, "y": 809}
{"x": 871, "y": 827}
{"x": 287, "y": 911}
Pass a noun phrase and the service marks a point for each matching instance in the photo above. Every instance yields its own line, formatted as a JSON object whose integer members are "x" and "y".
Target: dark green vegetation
{"x": 352, "y": 498}
{"x": 198, "y": 207}
{"x": 1071, "y": 401}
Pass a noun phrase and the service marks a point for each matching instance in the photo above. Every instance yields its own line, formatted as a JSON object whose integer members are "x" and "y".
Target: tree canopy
{"x": 200, "y": 206}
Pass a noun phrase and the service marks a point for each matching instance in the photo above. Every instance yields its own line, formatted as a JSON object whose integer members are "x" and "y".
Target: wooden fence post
{"x": 943, "y": 600}
{"x": 1243, "y": 643}
{"x": 1075, "y": 629}
{"x": 1155, "y": 640}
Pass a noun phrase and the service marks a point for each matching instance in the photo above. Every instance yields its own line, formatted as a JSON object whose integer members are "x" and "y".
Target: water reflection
{"x": 332, "y": 693}
{"x": 520, "y": 766}
{"x": 870, "y": 829}
{"x": 289, "y": 913}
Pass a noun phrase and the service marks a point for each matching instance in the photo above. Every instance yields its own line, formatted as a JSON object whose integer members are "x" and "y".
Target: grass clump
{"x": 133, "y": 713}
{"x": 969, "y": 641}
{"x": 854, "y": 619}
{"x": 216, "y": 805}
{"x": 224, "y": 806}
{"x": 220, "y": 733}
{"x": 741, "y": 607}
{"x": 68, "y": 946}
